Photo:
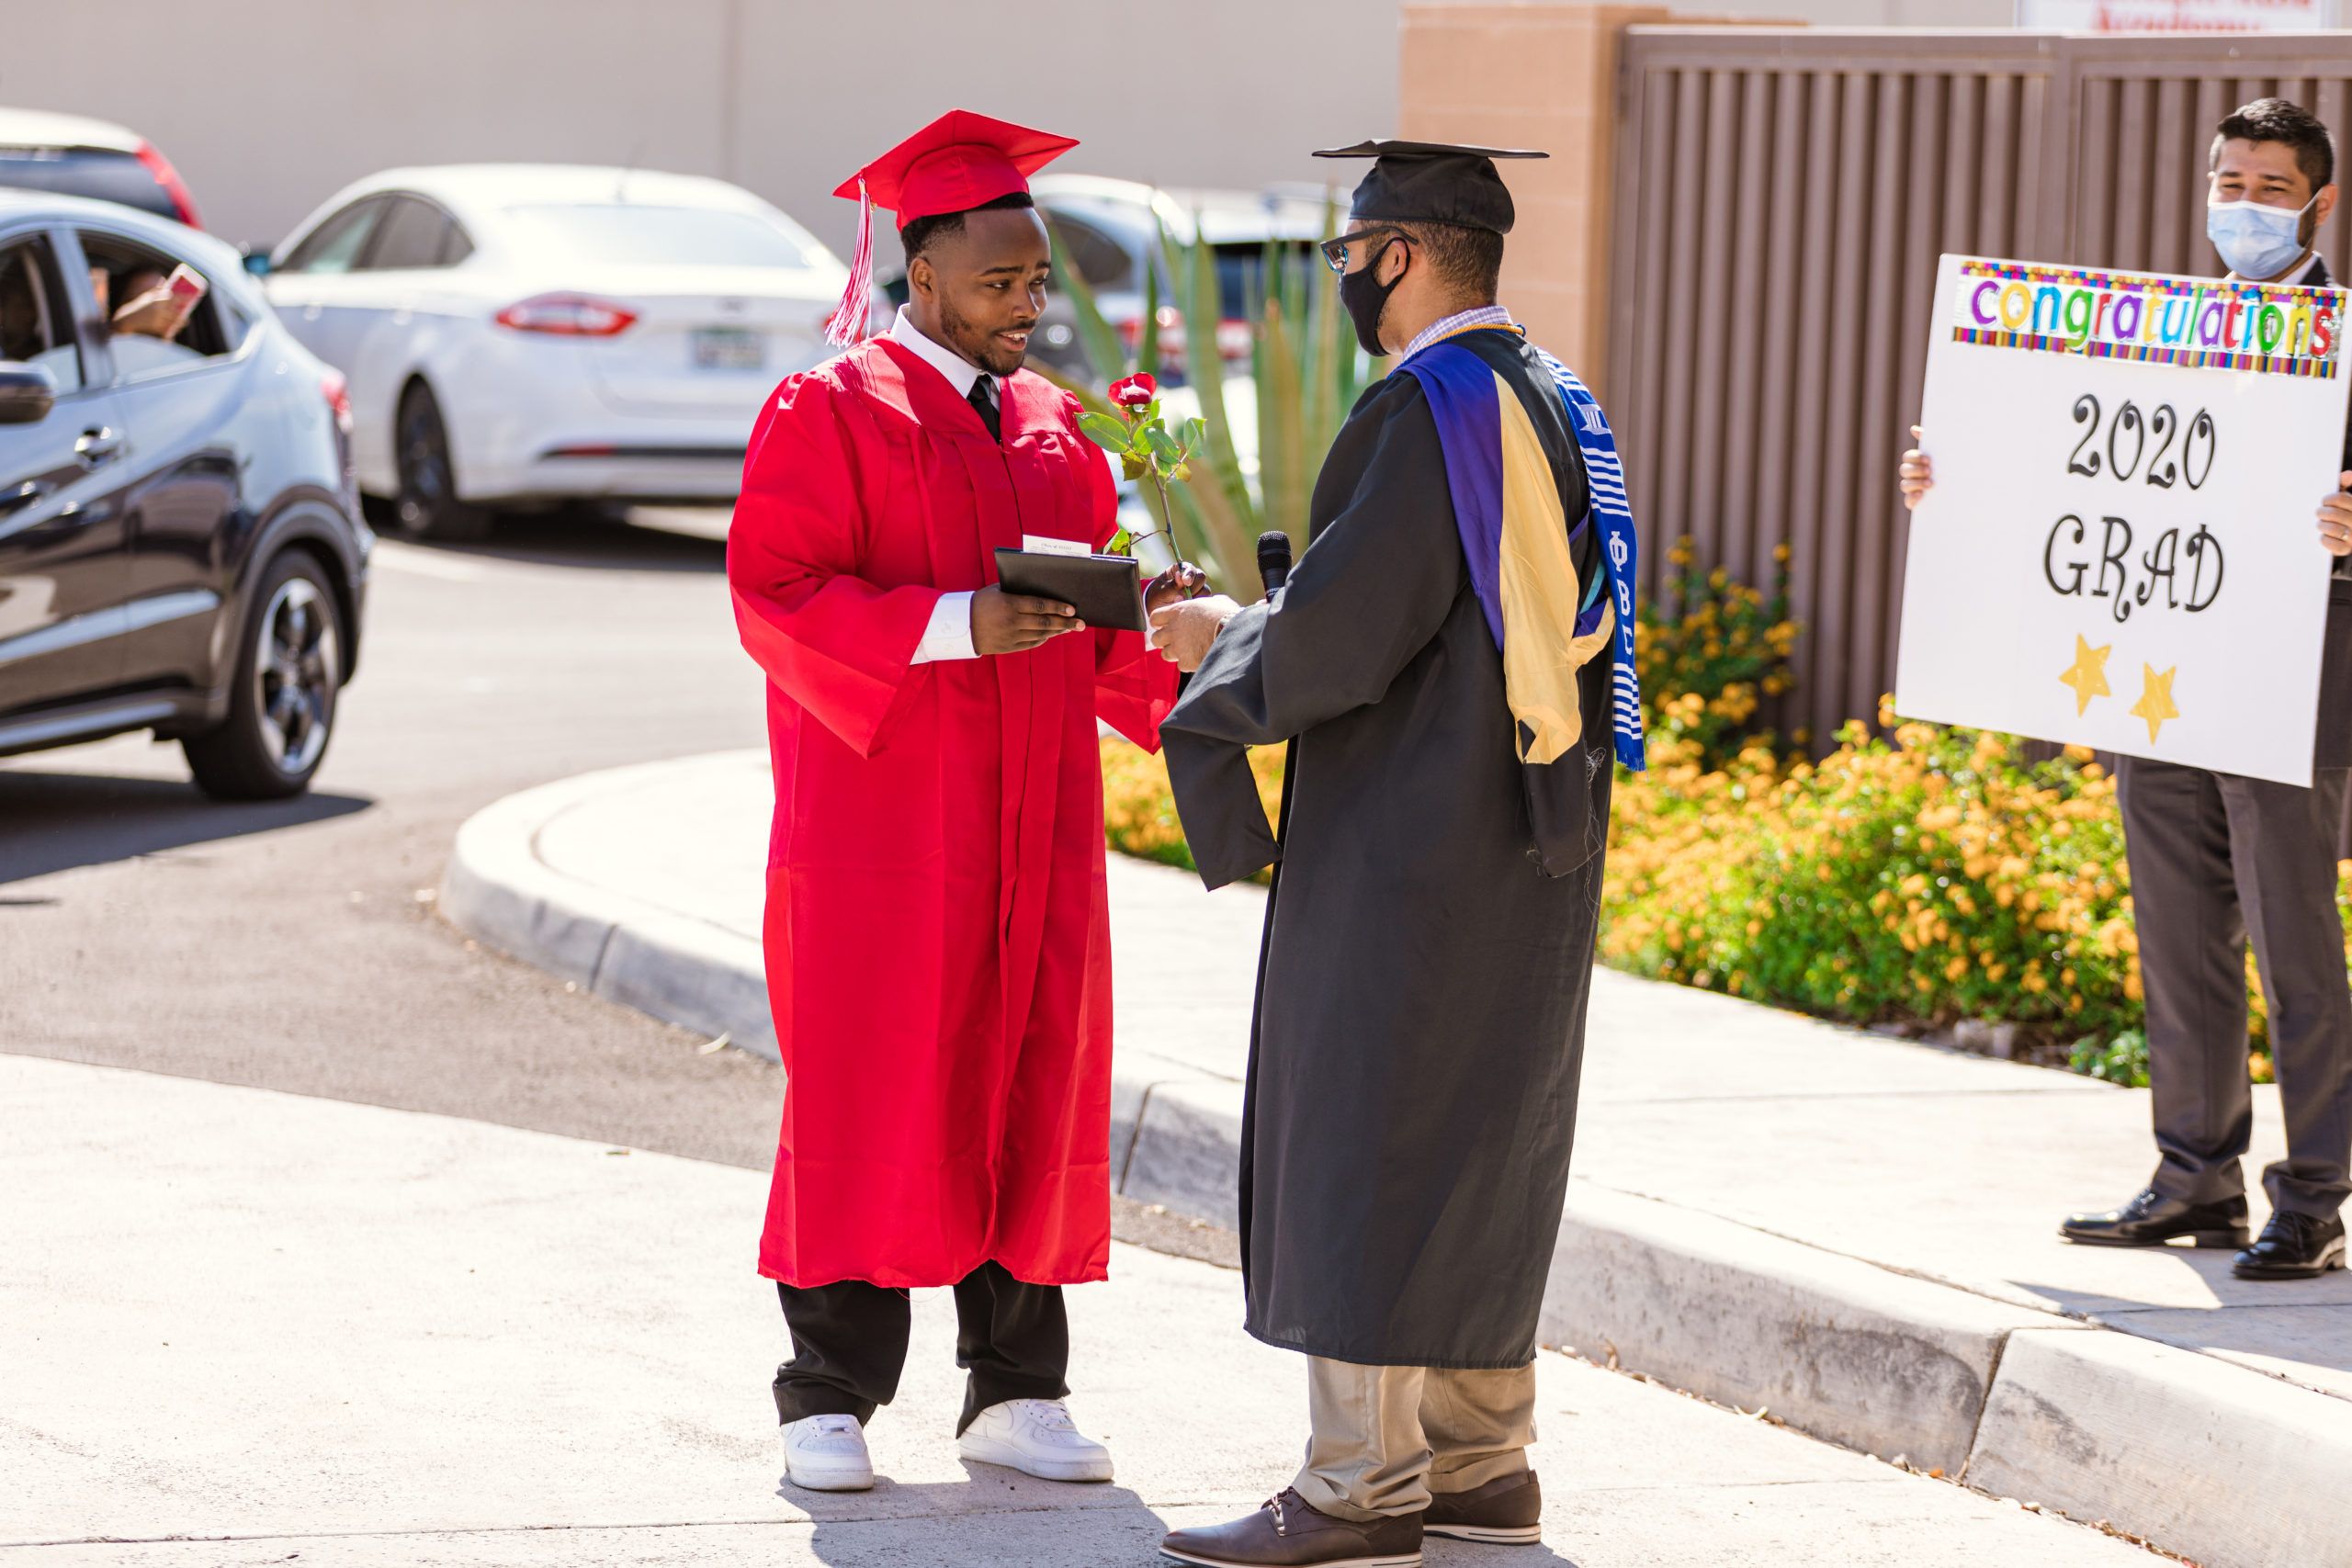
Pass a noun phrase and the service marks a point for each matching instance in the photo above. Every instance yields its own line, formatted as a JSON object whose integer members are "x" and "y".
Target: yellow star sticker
{"x": 2155, "y": 699}
{"x": 2088, "y": 676}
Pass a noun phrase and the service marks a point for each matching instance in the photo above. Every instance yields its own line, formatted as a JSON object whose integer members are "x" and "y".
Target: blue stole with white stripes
{"x": 1605, "y": 473}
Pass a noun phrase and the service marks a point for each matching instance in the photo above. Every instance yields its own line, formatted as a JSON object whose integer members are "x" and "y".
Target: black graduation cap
{"x": 1432, "y": 182}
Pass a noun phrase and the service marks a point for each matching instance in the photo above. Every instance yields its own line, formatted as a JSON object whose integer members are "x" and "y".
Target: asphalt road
{"x": 294, "y": 947}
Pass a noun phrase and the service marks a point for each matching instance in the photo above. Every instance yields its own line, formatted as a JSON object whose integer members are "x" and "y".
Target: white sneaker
{"x": 827, "y": 1453}
{"x": 1037, "y": 1437}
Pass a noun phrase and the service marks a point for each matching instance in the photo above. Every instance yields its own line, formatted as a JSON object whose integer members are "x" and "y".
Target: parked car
{"x": 525, "y": 334}
{"x": 68, "y": 155}
{"x": 180, "y": 544}
{"x": 1110, "y": 228}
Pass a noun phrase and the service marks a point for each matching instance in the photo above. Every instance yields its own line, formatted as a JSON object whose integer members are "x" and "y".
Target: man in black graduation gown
{"x": 1420, "y": 1023}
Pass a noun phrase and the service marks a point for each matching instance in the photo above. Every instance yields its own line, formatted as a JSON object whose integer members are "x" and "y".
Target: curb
{"x": 2190, "y": 1451}
{"x": 707, "y": 979}
{"x": 681, "y": 970}
{"x": 2185, "y": 1450}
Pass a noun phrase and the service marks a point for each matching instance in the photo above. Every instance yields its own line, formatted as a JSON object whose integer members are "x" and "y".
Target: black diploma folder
{"x": 1105, "y": 590}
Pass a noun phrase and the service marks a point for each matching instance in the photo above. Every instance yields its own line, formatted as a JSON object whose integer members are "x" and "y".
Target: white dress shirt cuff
{"x": 949, "y": 634}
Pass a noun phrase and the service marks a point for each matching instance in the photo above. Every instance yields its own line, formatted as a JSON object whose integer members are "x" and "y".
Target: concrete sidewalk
{"x": 244, "y": 1327}
{"x": 1854, "y": 1232}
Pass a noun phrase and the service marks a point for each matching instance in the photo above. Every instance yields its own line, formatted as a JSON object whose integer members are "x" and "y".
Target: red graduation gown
{"x": 937, "y": 934}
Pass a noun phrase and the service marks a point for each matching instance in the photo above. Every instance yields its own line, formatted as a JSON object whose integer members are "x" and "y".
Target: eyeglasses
{"x": 1335, "y": 251}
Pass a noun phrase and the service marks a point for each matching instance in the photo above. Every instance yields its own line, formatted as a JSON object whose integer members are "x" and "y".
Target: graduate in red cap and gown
{"x": 937, "y": 940}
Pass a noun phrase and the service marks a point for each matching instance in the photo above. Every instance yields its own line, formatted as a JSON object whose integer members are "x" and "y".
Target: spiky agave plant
{"x": 1305, "y": 367}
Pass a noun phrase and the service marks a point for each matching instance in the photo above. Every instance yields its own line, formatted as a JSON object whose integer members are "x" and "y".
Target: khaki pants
{"x": 1384, "y": 1439}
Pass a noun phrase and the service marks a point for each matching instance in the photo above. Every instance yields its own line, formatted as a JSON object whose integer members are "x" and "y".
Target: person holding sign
{"x": 2215, "y": 856}
{"x": 937, "y": 938}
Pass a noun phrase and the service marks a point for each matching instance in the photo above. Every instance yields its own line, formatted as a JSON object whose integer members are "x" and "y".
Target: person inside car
{"x": 147, "y": 325}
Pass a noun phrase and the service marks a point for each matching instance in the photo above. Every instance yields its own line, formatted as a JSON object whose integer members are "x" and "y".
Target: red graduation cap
{"x": 959, "y": 162}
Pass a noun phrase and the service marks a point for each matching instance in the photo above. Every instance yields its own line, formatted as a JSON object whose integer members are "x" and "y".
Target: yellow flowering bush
{"x": 1708, "y": 666}
{"x": 1934, "y": 877}
{"x": 1139, "y": 813}
{"x": 1923, "y": 878}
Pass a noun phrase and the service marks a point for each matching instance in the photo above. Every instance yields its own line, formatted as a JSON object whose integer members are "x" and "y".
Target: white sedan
{"x": 521, "y": 334}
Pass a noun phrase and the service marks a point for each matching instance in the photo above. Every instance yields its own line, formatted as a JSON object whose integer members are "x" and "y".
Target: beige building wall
{"x": 268, "y": 105}
{"x": 1542, "y": 76}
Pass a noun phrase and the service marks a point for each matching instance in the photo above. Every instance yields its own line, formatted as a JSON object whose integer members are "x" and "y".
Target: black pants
{"x": 2216, "y": 859}
{"x": 849, "y": 1343}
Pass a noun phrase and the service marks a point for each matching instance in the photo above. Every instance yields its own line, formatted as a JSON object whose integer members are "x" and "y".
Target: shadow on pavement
{"x": 1440, "y": 1552}
{"x": 595, "y": 541}
{"x": 1000, "y": 1517}
{"x": 996, "y": 1520}
{"x": 2305, "y": 1322}
{"x": 56, "y": 821}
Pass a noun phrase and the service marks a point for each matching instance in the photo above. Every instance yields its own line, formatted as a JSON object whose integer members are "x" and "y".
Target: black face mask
{"x": 1365, "y": 296}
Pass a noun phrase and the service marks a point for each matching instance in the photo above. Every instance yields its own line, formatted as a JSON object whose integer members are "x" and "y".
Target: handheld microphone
{"x": 1273, "y": 559}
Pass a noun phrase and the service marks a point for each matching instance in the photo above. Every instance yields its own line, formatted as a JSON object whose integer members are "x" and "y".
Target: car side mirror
{"x": 26, "y": 392}
{"x": 258, "y": 263}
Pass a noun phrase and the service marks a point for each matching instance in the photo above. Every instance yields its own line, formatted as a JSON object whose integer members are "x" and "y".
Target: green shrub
{"x": 2123, "y": 1059}
{"x": 1710, "y": 652}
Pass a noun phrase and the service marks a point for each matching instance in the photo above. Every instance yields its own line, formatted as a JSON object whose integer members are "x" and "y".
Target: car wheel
{"x": 281, "y": 709}
{"x": 429, "y": 507}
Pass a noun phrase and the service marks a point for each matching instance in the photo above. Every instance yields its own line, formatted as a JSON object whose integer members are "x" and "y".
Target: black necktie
{"x": 983, "y": 401}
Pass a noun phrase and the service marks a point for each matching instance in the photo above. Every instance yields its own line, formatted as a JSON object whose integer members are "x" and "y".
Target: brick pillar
{"x": 1543, "y": 76}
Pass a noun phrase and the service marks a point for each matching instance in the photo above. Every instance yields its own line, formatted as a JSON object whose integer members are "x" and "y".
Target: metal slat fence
{"x": 1780, "y": 199}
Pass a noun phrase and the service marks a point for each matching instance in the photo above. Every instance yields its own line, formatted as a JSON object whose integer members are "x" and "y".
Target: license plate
{"x": 728, "y": 348}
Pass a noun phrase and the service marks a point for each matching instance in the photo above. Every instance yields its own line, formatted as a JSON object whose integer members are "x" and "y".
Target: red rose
{"x": 1134, "y": 392}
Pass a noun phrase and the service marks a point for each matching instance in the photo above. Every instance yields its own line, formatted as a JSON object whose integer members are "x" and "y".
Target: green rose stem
{"x": 1145, "y": 450}
{"x": 1155, "y": 501}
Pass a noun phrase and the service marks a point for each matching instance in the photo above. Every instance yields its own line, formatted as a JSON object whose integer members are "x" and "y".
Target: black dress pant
{"x": 849, "y": 1343}
{"x": 2216, "y": 859}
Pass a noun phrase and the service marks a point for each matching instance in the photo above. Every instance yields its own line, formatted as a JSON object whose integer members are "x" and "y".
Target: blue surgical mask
{"x": 2256, "y": 241}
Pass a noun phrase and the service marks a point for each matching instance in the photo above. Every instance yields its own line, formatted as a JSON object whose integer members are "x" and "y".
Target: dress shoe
{"x": 2152, "y": 1220}
{"x": 1506, "y": 1511}
{"x": 2293, "y": 1246}
{"x": 827, "y": 1453}
{"x": 1287, "y": 1533}
{"x": 1036, "y": 1437}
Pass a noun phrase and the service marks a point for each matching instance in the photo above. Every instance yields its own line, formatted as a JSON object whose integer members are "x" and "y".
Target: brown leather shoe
{"x": 1287, "y": 1533}
{"x": 1507, "y": 1511}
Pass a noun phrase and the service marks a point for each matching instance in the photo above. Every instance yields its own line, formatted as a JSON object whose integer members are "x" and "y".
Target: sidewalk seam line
{"x": 604, "y": 950}
{"x": 1134, "y": 1139}
{"x": 2068, "y": 1089}
{"x": 1985, "y": 1404}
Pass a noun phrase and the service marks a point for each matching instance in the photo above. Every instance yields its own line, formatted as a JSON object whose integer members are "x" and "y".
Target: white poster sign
{"x": 2122, "y": 549}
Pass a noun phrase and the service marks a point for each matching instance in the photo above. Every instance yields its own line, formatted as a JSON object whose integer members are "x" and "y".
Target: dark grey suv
{"x": 180, "y": 542}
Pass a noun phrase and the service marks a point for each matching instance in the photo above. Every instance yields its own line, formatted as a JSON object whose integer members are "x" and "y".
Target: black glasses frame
{"x": 1335, "y": 251}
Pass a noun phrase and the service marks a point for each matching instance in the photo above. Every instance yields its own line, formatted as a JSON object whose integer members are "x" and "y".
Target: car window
{"x": 626, "y": 234}
{"x": 36, "y": 322}
{"x": 334, "y": 245}
{"x": 143, "y": 340}
{"x": 415, "y": 233}
{"x": 1101, "y": 260}
{"x": 101, "y": 174}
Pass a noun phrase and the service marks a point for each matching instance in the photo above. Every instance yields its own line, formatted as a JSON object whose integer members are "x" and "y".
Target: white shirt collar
{"x": 1479, "y": 316}
{"x": 960, "y": 372}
